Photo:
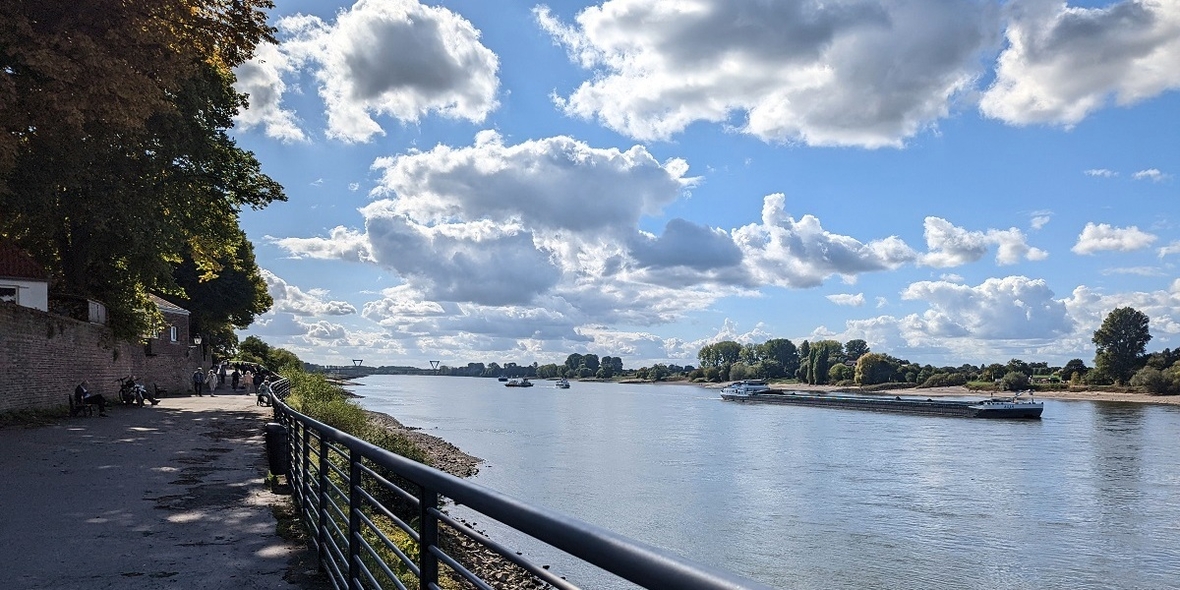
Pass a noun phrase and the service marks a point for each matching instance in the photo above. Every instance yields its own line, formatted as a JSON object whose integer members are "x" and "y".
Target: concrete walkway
{"x": 171, "y": 496}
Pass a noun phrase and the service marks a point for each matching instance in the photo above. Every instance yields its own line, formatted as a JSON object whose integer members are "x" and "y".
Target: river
{"x": 810, "y": 498}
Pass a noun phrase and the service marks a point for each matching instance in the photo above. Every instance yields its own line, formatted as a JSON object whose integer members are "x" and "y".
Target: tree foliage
{"x": 1120, "y": 343}
{"x": 115, "y": 162}
{"x": 856, "y": 348}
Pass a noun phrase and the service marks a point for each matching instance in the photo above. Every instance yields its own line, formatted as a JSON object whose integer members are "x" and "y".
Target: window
{"x": 8, "y": 294}
{"x": 172, "y": 333}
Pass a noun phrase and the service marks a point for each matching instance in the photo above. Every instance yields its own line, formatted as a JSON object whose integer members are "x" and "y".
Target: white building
{"x": 22, "y": 280}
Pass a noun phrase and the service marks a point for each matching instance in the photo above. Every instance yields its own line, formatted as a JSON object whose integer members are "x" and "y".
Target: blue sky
{"x": 953, "y": 182}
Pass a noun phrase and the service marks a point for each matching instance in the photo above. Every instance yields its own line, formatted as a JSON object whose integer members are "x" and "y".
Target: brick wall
{"x": 44, "y": 356}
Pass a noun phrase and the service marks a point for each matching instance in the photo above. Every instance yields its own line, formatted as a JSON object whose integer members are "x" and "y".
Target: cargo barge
{"x": 751, "y": 391}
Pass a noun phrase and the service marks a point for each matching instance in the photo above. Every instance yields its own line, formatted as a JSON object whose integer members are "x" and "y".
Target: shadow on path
{"x": 171, "y": 496}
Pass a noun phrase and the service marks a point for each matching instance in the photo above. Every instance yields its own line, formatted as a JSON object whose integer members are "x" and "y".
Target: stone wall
{"x": 44, "y": 356}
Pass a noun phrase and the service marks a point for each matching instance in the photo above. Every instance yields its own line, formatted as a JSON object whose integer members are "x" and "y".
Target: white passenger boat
{"x": 562, "y": 383}
{"x": 518, "y": 382}
{"x": 745, "y": 388}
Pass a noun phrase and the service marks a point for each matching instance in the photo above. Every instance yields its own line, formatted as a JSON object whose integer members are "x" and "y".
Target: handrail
{"x": 311, "y": 443}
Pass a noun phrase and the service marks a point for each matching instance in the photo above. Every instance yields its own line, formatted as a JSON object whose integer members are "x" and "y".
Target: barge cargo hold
{"x": 989, "y": 408}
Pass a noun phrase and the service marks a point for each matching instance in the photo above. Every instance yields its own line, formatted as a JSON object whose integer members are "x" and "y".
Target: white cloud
{"x": 556, "y": 183}
{"x": 1102, "y": 237}
{"x": 1089, "y": 307}
{"x": 1143, "y": 271}
{"x": 1064, "y": 62}
{"x": 847, "y": 299}
{"x": 1040, "y": 219}
{"x": 1013, "y": 307}
{"x": 262, "y": 79}
{"x": 550, "y": 222}
{"x": 342, "y": 243}
{"x": 1170, "y": 249}
{"x": 1101, "y": 173}
{"x": 1150, "y": 174}
{"x": 851, "y": 73}
{"x": 950, "y": 245}
{"x": 799, "y": 253}
{"x": 393, "y": 57}
{"x": 291, "y": 299}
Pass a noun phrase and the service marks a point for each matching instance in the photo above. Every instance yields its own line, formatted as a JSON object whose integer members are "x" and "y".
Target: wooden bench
{"x": 78, "y": 407}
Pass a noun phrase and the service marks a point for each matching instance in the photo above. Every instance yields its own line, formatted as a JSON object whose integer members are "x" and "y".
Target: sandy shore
{"x": 960, "y": 391}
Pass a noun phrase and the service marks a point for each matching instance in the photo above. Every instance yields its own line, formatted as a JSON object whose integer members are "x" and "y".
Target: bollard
{"x": 276, "y": 448}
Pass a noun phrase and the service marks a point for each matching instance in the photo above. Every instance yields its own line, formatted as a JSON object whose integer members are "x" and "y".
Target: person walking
{"x": 212, "y": 381}
{"x": 199, "y": 382}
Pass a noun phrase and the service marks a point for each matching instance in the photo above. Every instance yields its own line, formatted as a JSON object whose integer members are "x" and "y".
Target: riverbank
{"x": 440, "y": 454}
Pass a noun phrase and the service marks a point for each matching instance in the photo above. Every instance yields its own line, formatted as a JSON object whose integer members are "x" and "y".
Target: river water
{"x": 810, "y": 498}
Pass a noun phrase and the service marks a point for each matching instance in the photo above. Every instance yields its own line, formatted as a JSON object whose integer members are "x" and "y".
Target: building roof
{"x": 15, "y": 263}
{"x": 167, "y": 306}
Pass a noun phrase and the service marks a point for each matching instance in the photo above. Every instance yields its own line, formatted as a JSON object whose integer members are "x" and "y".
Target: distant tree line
{"x": 1120, "y": 359}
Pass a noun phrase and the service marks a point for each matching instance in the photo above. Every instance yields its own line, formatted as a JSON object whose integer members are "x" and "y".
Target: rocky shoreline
{"x": 491, "y": 567}
{"x": 440, "y": 454}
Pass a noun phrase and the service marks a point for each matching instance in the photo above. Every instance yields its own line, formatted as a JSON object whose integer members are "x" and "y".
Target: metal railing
{"x": 376, "y": 520}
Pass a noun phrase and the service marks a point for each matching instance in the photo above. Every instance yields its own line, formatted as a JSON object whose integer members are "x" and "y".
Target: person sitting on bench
{"x": 83, "y": 394}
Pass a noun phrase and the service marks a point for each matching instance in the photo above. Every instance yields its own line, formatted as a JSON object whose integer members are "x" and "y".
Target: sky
{"x": 951, "y": 181}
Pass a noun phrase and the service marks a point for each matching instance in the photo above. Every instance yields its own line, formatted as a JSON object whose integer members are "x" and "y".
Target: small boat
{"x": 562, "y": 383}
{"x": 502, "y": 378}
{"x": 518, "y": 382}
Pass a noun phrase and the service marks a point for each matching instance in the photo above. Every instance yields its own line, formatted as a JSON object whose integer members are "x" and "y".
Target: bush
{"x": 946, "y": 380}
{"x": 1152, "y": 380}
{"x": 1014, "y": 381}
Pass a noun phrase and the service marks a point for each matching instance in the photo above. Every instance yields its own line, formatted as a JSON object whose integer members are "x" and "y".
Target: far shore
{"x": 960, "y": 391}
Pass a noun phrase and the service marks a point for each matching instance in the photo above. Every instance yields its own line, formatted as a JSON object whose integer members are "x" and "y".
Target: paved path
{"x": 170, "y": 496}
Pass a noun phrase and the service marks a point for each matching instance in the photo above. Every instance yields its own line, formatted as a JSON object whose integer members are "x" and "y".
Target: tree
{"x": 840, "y": 372}
{"x": 572, "y": 363}
{"x": 873, "y": 368}
{"x": 785, "y": 355}
{"x": 803, "y": 373}
{"x": 856, "y": 348}
{"x": 1014, "y": 381}
{"x": 230, "y": 299}
{"x": 115, "y": 163}
{"x": 1120, "y": 343}
{"x": 1019, "y": 366}
{"x": 591, "y": 361}
{"x": 1073, "y": 367}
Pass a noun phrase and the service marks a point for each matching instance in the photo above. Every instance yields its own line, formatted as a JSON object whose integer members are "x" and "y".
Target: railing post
{"x": 322, "y": 503}
{"x": 354, "y": 520}
{"x": 305, "y": 461}
{"x": 428, "y": 533}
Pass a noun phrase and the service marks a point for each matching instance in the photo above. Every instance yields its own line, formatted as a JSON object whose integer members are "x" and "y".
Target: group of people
{"x": 253, "y": 378}
{"x": 131, "y": 392}
{"x": 241, "y": 376}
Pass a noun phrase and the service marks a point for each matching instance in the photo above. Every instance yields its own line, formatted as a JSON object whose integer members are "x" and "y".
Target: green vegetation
{"x": 117, "y": 172}
{"x": 1120, "y": 343}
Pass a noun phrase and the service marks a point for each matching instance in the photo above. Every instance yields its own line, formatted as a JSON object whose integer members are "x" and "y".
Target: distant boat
{"x": 502, "y": 378}
{"x": 518, "y": 382}
{"x": 758, "y": 392}
{"x": 562, "y": 383}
